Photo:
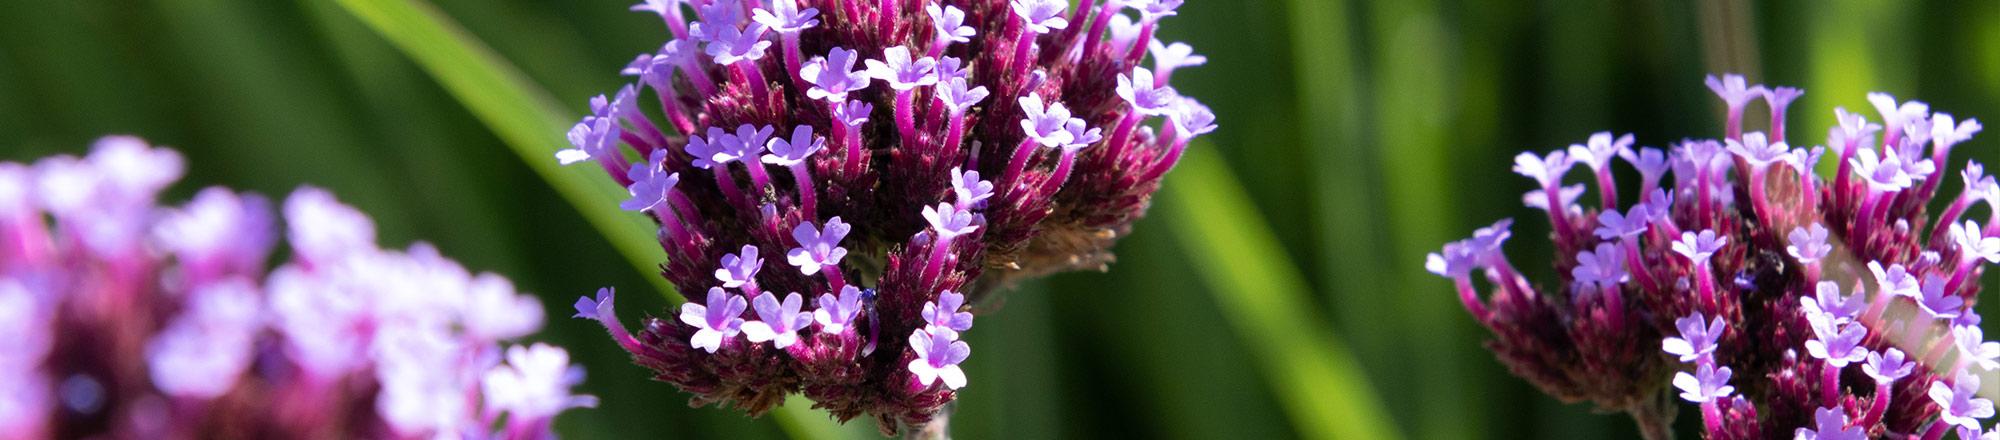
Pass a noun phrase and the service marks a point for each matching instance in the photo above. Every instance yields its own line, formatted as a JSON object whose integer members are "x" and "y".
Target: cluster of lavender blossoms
{"x": 1744, "y": 281}
{"x": 903, "y": 157}
{"x": 125, "y": 319}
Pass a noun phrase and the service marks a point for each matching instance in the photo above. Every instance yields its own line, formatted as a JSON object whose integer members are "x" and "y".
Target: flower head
{"x": 964, "y": 171}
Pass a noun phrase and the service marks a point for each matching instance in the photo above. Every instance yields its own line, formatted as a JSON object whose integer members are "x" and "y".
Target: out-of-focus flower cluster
{"x": 887, "y": 156}
{"x": 1745, "y": 280}
{"x": 128, "y": 319}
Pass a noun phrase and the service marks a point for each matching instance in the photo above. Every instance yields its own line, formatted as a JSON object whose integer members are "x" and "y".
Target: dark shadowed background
{"x": 1363, "y": 135}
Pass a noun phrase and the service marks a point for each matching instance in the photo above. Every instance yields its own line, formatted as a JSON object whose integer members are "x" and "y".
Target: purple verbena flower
{"x": 1894, "y": 281}
{"x": 777, "y": 322}
{"x": 836, "y": 314}
{"x": 1539, "y": 200}
{"x": 1831, "y": 305}
{"x": 1548, "y": 170}
{"x": 1604, "y": 268}
{"x": 1808, "y": 244}
{"x": 1831, "y": 424}
{"x": 1708, "y": 383}
{"x": 716, "y": 320}
{"x": 1612, "y": 225}
{"x": 1959, "y": 401}
{"x": 786, "y": 152}
{"x": 948, "y": 23}
{"x": 735, "y": 45}
{"x": 1974, "y": 348}
{"x": 938, "y": 356}
{"x": 740, "y": 268}
{"x": 1600, "y": 149}
{"x": 1887, "y": 366}
{"x": 1837, "y": 344}
{"x": 818, "y": 247}
{"x": 535, "y": 384}
{"x": 1697, "y": 340}
{"x": 1049, "y": 125}
{"x": 1698, "y": 248}
{"x": 1758, "y": 150}
{"x": 949, "y": 221}
{"x": 942, "y": 316}
{"x": 833, "y": 76}
{"x": 1733, "y": 90}
{"x": 1934, "y": 302}
{"x": 1138, "y": 90}
{"x": 1041, "y": 16}
{"x": 901, "y": 71}
{"x": 650, "y": 184}
{"x": 968, "y": 190}
{"x": 785, "y": 17}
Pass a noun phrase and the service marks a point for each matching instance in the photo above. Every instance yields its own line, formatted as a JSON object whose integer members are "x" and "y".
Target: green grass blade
{"x": 1323, "y": 389}
{"x": 525, "y": 118}
{"x": 532, "y": 125}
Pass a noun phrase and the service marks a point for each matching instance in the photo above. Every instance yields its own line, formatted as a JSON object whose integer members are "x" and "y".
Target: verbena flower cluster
{"x": 126, "y": 319}
{"x": 1745, "y": 280}
{"x": 895, "y": 160}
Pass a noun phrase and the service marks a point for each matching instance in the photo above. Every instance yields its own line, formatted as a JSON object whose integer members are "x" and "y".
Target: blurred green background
{"x": 1362, "y": 134}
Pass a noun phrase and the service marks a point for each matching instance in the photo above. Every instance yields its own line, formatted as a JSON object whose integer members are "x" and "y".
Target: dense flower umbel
{"x": 1744, "y": 281}
{"x": 127, "y": 319}
{"x": 855, "y": 164}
